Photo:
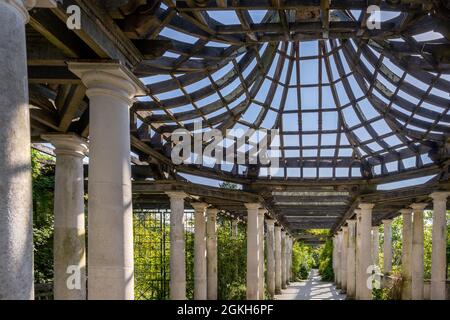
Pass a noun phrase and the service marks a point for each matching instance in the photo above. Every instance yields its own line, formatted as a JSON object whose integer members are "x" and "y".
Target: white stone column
{"x": 417, "y": 252}
{"x": 69, "y": 248}
{"x": 252, "y": 251}
{"x": 334, "y": 254}
{"x": 387, "y": 247}
{"x": 283, "y": 259}
{"x": 351, "y": 260}
{"x": 365, "y": 254}
{"x": 261, "y": 217}
{"x": 288, "y": 240}
{"x": 177, "y": 246}
{"x": 234, "y": 229}
{"x": 200, "y": 253}
{"x": 439, "y": 243}
{"x": 338, "y": 259}
{"x": 278, "y": 277}
{"x": 270, "y": 257}
{"x": 16, "y": 217}
{"x": 358, "y": 254}
{"x": 375, "y": 246}
{"x": 344, "y": 258}
{"x": 111, "y": 89}
{"x": 289, "y": 262}
{"x": 406, "y": 253}
{"x": 212, "y": 253}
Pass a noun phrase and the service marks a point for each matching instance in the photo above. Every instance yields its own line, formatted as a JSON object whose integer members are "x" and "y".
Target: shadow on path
{"x": 311, "y": 289}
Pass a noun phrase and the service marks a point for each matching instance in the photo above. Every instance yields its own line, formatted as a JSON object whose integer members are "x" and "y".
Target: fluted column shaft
{"x": 177, "y": 247}
{"x": 365, "y": 254}
{"x": 16, "y": 217}
{"x": 417, "y": 252}
{"x": 261, "y": 213}
{"x": 212, "y": 253}
{"x": 406, "y": 253}
{"x": 270, "y": 257}
{"x": 351, "y": 260}
{"x": 252, "y": 251}
{"x": 69, "y": 249}
{"x": 344, "y": 258}
{"x": 439, "y": 243}
{"x": 200, "y": 252}
{"x": 278, "y": 276}
{"x": 358, "y": 272}
{"x": 283, "y": 259}
{"x": 387, "y": 247}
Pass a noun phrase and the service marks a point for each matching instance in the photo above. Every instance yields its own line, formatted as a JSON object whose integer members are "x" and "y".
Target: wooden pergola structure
{"x": 356, "y": 91}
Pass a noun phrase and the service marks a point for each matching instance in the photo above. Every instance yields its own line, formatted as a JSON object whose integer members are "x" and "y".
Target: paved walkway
{"x": 311, "y": 289}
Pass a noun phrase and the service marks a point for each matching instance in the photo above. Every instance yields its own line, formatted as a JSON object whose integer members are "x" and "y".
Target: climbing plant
{"x": 326, "y": 261}
{"x": 43, "y": 188}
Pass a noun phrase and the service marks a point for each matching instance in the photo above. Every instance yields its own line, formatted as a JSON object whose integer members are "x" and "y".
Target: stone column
{"x": 261, "y": 217}
{"x": 234, "y": 229}
{"x": 283, "y": 259}
{"x": 406, "y": 253}
{"x": 212, "y": 253}
{"x": 278, "y": 277}
{"x": 177, "y": 246}
{"x": 439, "y": 243}
{"x": 365, "y": 254}
{"x": 69, "y": 249}
{"x": 417, "y": 252}
{"x": 335, "y": 259}
{"x": 200, "y": 253}
{"x": 16, "y": 217}
{"x": 338, "y": 259}
{"x": 288, "y": 244}
{"x": 351, "y": 260}
{"x": 344, "y": 258}
{"x": 375, "y": 246}
{"x": 111, "y": 89}
{"x": 252, "y": 251}
{"x": 358, "y": 254}
{"x": 270, "y": 257}
{"x": 387, "y": 247}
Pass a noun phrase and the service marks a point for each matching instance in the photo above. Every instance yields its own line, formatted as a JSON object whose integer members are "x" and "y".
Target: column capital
{"x": 351, "y": 223}
{"x": 176, "y": 195}
{"x": 67, "y": 144}
{"x": 358, "y": 212}
{"x": 262, "y": 211}
{"x": 418, "y": 206}
{"x": 345, "y": 229}
{"x": 108, "y": 78}
{"x": 278, "y": 228}
{"x": 440, "y": 195}
{"x": 252, "y": 206}
{"x": 20, "y": 7}
{"x": 199, "y": 206}
{"x": 270, "y": 223}
{"x": 366, "y": 206}
{"x": 212, "y": 211}
{"x": 387, "y": 222}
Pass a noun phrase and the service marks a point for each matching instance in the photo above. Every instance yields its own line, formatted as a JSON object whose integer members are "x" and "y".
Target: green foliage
{"x": 228, "y": 185}
{"x": 303, "y": 260}
{"x": 232, "y": 262}
{"x": 326, "y": 261}
{"x": 43, "y": 188}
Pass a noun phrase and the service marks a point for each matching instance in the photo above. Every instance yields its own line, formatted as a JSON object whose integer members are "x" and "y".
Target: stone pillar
{"x": 439, "y": 243}
{"x": 278, "y": 277}
{"x": 358, "y": 254}
{"x": 261, "y": 217}
{"x": 111, "y": 89}
{"x": 406, "y": 253}
{"x": 335, "y": 258}
{"x": 212, "y": 253}
{"x": 375, "y": 246}
{"x": 16, "y": 217}
{"x": 234, "y": 229}
{"x": 417, "y": 252}
{"x": 270, "y": 257}
{"x": 252, "y": 251}
{"x": 200, "y": 253}
{"x": 365, "y": 254}
{"x": 283, "y": 259}
{"x": 338, "y": 259}
{"x": 69, "y": 249}
{"x": 387, "y": 247}
{"x": 351, "y": 260}
{"x": 288, "y": 244}
{"x": 344, "y": 258}
{"x": 177, "y": 246}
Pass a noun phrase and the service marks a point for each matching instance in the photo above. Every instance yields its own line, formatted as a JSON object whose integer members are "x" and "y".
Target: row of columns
{"x": 356, "y": 251}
